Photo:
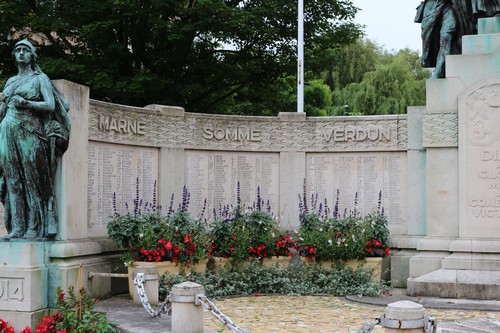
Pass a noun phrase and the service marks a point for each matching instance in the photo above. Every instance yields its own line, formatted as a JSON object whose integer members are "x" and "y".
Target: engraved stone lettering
{"x": 356, "y": 134}
{"x": 16, "y": 289}
{"x": 120, "y": 125}
{"x": 231, "y": 134}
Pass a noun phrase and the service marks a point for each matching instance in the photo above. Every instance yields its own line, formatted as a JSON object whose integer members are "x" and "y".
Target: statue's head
{"x": 26, "y": 43}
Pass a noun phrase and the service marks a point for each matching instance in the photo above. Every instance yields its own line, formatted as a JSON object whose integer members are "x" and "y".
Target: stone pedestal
{"x": 460, "y": 254}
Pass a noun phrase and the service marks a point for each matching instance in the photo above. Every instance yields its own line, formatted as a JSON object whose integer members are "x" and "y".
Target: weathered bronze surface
{"x": 444, "y": 22}
{"x": 34, "y": 133}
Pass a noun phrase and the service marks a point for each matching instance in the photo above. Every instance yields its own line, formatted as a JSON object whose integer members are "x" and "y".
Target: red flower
{"x": 387, "y": 251}
{"x": 61, "y": 297}
{"x": 188, "y": 239}
{"x": 376, "y": 243}
{"x": 168, "y": 246}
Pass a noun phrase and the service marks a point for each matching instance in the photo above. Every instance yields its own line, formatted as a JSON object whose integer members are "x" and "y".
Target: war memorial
{"x": 437, "y": 168}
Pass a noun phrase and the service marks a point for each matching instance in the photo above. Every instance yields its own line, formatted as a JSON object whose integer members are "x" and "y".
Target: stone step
{"x": 451, "y": 283}
{"x": 481, "y": 44}
{"x": 472, "y": 261}
{"x": 490, "y": 25}
{"x": 470, "y": 67}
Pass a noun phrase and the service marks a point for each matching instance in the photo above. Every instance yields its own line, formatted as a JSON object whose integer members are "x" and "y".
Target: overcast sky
{"x": 389, "y": 23}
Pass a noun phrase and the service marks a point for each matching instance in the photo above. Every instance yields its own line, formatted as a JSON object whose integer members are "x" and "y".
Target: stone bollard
{"x": 187, "y": 311}
{"x": 151, "y": 285}
{"x": 404, "y": 316}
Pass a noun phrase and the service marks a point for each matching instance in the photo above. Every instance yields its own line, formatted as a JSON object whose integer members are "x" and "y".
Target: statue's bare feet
{"x": 14, "y": 234}
{"x": 30, "y": 234}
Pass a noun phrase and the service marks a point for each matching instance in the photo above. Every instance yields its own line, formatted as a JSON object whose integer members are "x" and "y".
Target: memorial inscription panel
{"x": 364, "y": 174}
{"x": 214, "y": 176}
{"x": 480, "y": 164}
{"x": 116, "y": 169}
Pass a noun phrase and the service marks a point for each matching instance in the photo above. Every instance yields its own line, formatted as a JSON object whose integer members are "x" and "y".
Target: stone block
{"x": 400, "y": 267}
{"x": 481, "y": 44}
{"x": 172, "y": 172}
{"x": 426, "y": 262}
{"x": 174, "y": 111}
{"x": 19, "y": 320}
{"x": 292, "y": 116}
{"x": 475, "y": 245}
{"x": 489, "y": 25}
{"x": 442, "y": 192}
{"x": 405, "y": 241}
{"x": 442, "y": 94}
{"x": 23, "y": 289}
{"x": 451, "y": 283}
{"x": 292, "y": 175}
{"x": 23, "y": 276}
{"x": 414, "y": 119}
{"x": 471, "y": 68}
{"x": 434, "y": 244}
{"x": 476, "y": 284}
{"x": 416, "y": 187}
{"x": 458, "y": 261}
{"x": 72, "y": 177}
{"x": 65, "y": 272}
{"x": 479, "y": 154}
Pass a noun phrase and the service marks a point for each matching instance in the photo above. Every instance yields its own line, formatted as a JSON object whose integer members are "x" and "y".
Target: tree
{"x": 395, "y": 82}
{"x": 205, "y": 55}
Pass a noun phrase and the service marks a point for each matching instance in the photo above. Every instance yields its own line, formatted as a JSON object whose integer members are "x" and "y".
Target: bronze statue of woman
{"x": 34, "y": 132}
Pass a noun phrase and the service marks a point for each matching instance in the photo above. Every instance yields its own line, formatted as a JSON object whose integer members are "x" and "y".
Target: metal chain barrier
{"x": 367, "y": 327}
{"x": 162, "y": 308}
{"x": 219, "y": 315}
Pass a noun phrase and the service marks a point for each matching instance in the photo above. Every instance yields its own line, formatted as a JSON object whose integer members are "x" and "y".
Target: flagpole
{"x": 300, "y": 58}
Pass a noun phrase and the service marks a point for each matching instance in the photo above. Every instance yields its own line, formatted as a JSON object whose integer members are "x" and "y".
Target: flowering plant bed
{"x": 332, "y": 237}
{"x": 153, "y": 237}
{"x": 243, "y": 233}
{"x": 73, "y": 315}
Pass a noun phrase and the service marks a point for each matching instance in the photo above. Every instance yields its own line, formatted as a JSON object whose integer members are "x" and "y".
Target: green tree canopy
{"x": 386, "y": 84}
{"x": 214, "y": 56}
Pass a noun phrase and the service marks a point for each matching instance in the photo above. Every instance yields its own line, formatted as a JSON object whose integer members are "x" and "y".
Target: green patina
{"x": 34, "y": 133}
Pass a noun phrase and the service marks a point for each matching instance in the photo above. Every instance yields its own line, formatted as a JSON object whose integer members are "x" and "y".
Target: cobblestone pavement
{"x": 320, "y": 314}
{"x": 311, "y": 314}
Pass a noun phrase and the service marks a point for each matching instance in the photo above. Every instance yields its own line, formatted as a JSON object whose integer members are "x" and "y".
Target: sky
{"x": 389, "y": 23}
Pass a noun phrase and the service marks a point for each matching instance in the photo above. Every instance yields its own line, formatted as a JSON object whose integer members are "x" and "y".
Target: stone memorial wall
{"x": 215, "y": 155}
{"x": 117, "y": 175}
{"x": 214, "y": 178}
{"x": 361, "y": 177}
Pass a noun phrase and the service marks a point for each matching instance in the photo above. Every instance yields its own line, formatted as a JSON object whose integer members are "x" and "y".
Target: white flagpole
{"x": 300, "y": 58}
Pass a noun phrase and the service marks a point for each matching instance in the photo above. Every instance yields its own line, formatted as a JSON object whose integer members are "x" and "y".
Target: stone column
{"x": 187, "y": 312}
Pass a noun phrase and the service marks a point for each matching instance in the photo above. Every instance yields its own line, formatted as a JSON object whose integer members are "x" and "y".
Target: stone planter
{"x": 374, "y": 263}
{"x": 281, "y": 262}
{"x": 218, "y": 263}
{"x": 153, "y": 271}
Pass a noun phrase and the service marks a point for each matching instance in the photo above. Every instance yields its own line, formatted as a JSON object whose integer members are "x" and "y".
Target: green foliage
{"x": 244, "y": 234}
{"x": 208, "y": 56}
{"x": 317, "y": 98}
{"x": 75, "y": 313}
{"x": 296, "y": 279}
{"x": 152, "y": 237}
{"x": 330, "y": 237}
{"x": 394, "y": 82}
